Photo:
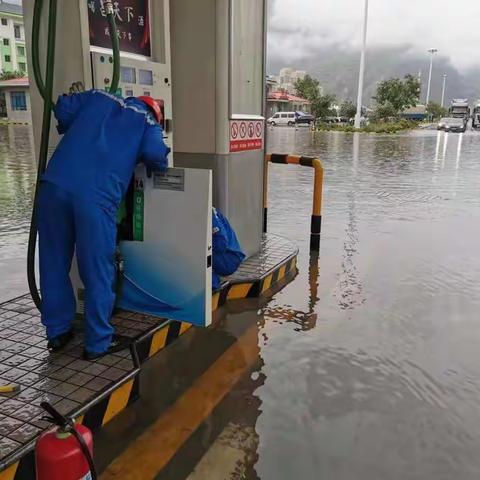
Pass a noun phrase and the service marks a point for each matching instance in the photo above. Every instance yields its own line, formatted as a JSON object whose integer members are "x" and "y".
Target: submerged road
{"x": 365, "y": 366}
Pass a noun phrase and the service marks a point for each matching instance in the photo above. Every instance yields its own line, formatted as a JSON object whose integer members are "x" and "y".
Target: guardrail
{"x": 316, "y": 164}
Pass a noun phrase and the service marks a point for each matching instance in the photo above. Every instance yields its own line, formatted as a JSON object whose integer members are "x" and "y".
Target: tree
{"x": 348, "y": 109}
{"x": 435, "y": 110}
{"x": 4, "y": 75}
{"x": 399, "y": 94}
{"x": 309, "y": 88}
{"x": 322, "y": 106}
{"x": 383, "y": 112}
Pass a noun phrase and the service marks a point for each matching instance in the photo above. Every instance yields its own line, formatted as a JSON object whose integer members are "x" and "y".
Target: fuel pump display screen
{"x": 133, "y": 25}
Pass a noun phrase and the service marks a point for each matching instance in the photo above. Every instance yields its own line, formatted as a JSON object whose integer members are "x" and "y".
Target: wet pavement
{"x": 366, "y": 365}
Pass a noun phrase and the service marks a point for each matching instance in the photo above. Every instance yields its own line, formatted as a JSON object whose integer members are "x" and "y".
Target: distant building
{"x": 272, "y": 84}
{"x": 285, "y": 102}
{"x": 287, "y": 78}
{"x": 15, "y": 100}
{"x": 14, "y": 93}
{"x": 12, "y": 38}
{"x": 281, "y": 92}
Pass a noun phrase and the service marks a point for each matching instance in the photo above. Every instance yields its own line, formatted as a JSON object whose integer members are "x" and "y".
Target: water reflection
{"x": 349, "y": 292}
{"x": 17, "y": 183}
{"x": 437, "y": 148}
{"x": 304, "y": 320}
{"x": 445, "y": 146}
{"x": 459, "y": 151}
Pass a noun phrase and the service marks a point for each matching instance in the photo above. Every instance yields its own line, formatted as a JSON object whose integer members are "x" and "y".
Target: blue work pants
{"x": 68, "y": 224}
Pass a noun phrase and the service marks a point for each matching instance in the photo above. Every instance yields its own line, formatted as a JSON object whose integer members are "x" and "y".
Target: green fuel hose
{"x": 116, "y": 50}
{"x": 46, "y": 91}
{"x": 47, "y": 117}
{"x": 37, "y": 73}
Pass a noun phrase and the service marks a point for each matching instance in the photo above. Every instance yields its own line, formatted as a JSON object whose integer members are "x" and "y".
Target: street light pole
{"x": 361, "y": 76}
{"x": 432, "y": 52}
{"x": 443, "y": 90}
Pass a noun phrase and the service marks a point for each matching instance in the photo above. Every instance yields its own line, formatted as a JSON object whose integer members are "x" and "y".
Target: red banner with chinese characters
{"x": 133, "y": 25}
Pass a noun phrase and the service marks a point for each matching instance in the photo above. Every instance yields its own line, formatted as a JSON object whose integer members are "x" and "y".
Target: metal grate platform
{"x": 274, "y": 251}
{"x": 74, "y": 385}
{"x": 64, "y": 379}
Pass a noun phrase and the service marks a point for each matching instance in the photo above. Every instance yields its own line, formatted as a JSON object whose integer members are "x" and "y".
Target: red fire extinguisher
{"x": 65, "y": 453}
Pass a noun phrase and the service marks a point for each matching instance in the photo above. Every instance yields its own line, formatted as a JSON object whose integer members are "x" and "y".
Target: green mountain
{"x": 337, "y": 70}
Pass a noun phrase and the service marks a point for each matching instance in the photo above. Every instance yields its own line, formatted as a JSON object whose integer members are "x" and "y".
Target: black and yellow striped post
{"x": 316, "y": 164}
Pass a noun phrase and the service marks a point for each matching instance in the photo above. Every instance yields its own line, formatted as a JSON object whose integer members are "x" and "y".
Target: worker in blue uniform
{"x": 227, "y": 253}
{"x": 104, "y": 138}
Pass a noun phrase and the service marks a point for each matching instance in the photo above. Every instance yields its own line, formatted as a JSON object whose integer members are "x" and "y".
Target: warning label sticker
{"x": 172, "y": 179}
{"x": 246, "y": 135}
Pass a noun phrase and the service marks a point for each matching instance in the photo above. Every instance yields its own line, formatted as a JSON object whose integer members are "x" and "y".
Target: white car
{"x": 282, "y": 118}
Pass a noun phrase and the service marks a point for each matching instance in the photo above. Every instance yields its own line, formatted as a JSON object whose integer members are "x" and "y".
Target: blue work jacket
{"x": 105, "y": 137}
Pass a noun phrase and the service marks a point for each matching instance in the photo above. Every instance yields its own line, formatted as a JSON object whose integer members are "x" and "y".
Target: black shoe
{"x": 117, "y": 345}
{"x": 57, "y": 343}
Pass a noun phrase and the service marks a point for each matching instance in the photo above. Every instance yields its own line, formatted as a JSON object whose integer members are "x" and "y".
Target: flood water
{"x": 368, "y": 367}
{"x": 17, "y": 180}
{"x": 384, "y": 381}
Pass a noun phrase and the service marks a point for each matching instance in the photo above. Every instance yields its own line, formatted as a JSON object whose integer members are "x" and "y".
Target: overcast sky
{"x": 298, "y": 27}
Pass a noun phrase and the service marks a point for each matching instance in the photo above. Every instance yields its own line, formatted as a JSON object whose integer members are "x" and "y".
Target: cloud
{"x": 299, "y": 28}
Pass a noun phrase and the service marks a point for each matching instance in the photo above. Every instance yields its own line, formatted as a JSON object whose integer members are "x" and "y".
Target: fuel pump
{"x": 203, "y": 60}
{"x": 45, "y": 89}
{"x": 166, "y": 229}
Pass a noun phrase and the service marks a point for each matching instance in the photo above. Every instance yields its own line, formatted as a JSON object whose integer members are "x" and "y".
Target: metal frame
{"x": 315, "y": 163}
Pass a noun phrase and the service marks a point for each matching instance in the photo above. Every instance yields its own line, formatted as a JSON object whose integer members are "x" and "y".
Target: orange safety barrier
{"x": 315, "y": 163}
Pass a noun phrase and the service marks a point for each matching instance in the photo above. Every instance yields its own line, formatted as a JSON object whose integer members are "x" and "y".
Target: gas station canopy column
{"x": 218, "y": 72}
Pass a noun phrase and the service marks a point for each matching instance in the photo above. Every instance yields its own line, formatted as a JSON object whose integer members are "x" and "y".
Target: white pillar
{"x": 432, "y": 52}
{"x": 362, "y": 69}
{"x": 443, "y": 90}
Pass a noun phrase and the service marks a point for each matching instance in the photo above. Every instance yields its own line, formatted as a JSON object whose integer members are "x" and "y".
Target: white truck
{"x": 460, "y": 108}
{"x": 476, "y": 115}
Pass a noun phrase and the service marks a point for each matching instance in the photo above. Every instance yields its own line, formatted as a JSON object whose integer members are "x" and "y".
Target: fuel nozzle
{"x": 108, "y": 4}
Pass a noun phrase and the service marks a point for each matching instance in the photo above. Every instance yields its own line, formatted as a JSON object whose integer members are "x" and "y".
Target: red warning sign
{"x": 246, "y": 135}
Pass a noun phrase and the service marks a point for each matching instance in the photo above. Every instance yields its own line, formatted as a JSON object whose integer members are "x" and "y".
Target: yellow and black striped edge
{"x": 98, "y": 414}
{"x": 152, "y": 342}
{"x": 10, "y": 472}
{"x": 94, "y": 415}
{"x": 254, "y": 288}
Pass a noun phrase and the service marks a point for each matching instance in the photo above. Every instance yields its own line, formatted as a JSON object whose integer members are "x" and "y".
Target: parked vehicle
{"x": 290, "y": 118}
{"x": 455, "y": 125}
{"x": 282, "y": 118}
{"x": 476, "y": 116}
{"x": 302, "y": 117}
